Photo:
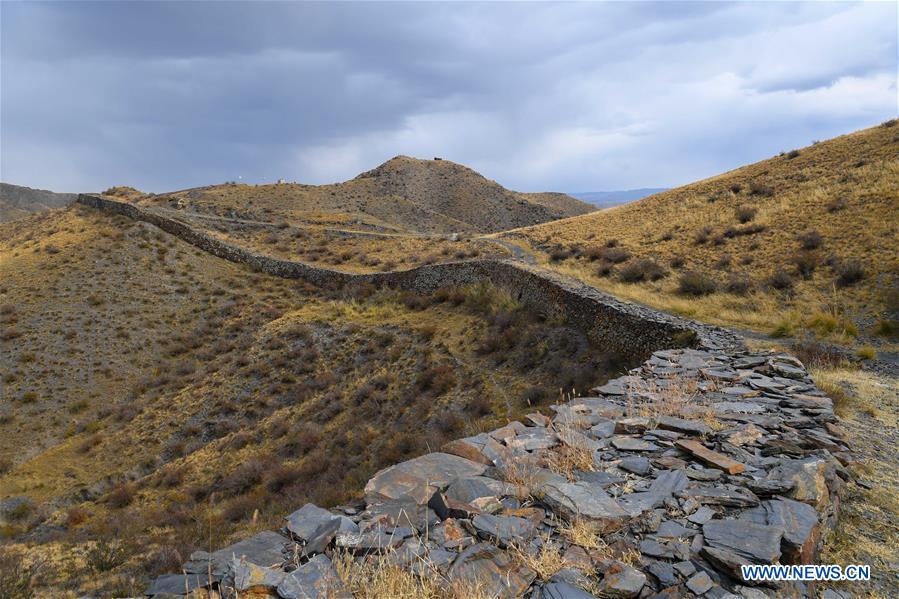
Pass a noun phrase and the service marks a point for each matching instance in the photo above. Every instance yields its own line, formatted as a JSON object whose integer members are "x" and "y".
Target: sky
{"x": 537, "y": 96}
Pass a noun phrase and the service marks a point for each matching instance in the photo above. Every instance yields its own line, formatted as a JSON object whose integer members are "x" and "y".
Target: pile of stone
{"x": 689, "y": 467}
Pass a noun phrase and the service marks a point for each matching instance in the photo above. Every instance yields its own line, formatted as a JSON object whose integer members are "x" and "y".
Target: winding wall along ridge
{"x": 621, "y": 327}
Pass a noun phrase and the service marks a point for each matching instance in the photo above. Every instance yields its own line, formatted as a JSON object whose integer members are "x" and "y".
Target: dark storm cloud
{"x": 537, "y": 96}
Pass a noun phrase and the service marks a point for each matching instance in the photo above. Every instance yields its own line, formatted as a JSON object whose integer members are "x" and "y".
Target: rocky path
{"x": 661, "y": 485}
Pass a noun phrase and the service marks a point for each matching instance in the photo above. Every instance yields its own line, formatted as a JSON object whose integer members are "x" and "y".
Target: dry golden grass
{"x": 376, "y": 577}
{"x": 844, "y": 191}
{"x": 349, "y": 251}
{"x": 867, "y": 532}
{"x": 192, "y": 401}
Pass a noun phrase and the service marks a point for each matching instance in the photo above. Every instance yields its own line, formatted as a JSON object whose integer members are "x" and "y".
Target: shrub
{"x": 449, "y": 423}
{"x": 836, "y": 204}
{"x": 887, "y": 328}
{"x": 889, "y": 123}
{"x": 866, "y": 352}
{"x": 792, "y": 154}
{"x": 738, "y": 284}
{"x": 437, "y": 379}
{"x": 723, "y": 261}
{"x": 780, "y": 280}
{"x": 615, "y": 255}
{"x": 702, "y": 235}
{"x": 849, "y": 273}
{"x": 559, "y": 254}
{"x": 105, "y": 555}
{"x": 736, "y": 188}
{"x": 121, "y": 496}
{"x": 605, "y": 270}
{"x": 806, "y": 263}
{"x": 282, "y": 477}
{"x": 17, "y": 576}
{"x": 244, "y": 477}
{"x": 745, "y": 214}
{"x": 815, "y": 354}
{"x": 757, "y": 188}
{"x": 810, "y": 240}
{"x": 643, "y": 269}
{"x": 612, "y": 243}
{"x": 676, "y": 262}
{"x": 696, "y": 284}
{"x": 667, "y": 236}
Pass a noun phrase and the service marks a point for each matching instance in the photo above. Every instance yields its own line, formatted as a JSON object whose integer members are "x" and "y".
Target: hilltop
{"x": 801, "y": 243}
{"x": 17, "y": 201}
{"x": 402, "y": 195}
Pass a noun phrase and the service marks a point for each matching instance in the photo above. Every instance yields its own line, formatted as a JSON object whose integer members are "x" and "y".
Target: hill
{"x": 402, "y": 195}
{"x": 17, "y": 201}
{"x": 141, "y": 374}
{"x": 801, "y": 243}
{"x": 607, "y": 199}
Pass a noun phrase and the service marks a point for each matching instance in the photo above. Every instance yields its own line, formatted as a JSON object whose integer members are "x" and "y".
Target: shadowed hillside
{"x": 17, "y": 201}
{"x": 402, "y": 195}
{"x": 803, "y": 241}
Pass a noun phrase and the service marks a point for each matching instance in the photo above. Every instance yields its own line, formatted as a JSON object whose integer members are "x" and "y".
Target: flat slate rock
{"x": 316, "y": 579}
{"x": 504, "y": 529}
{"x": 712, "y": 458}
{"x": 584, "y": 500}
{"x": 622, "y": 582}
{"x": 266, "y": 548}
{"x": 700, "y": 583}
{"x": 799, "y": 522}
{"x": 637, "y": 465}
{"x": 632, "y": 444}
{"x": 681, "y": 425}
{"x": 564, "y": 590}
{"x": 417, "y": 479}
{"x": 721, "y": 496}
{"x": 176, "y": 584}
{"x": 476, "y": 487}
{"x": 493, "y": 571}
{"x": 755, "y": 543}
{"x": 306, "y": 521}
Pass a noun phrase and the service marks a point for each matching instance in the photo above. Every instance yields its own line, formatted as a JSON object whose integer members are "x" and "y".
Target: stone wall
{"x": 615, "y": 325}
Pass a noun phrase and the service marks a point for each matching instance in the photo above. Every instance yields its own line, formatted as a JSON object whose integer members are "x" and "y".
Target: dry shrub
{"x": 121, "y": 496}
{"x": 810, "y": 240}
{"x": 745, "y": 214}
{"x": 17, "y": 575}
{"x": 815, "y": 354}
{"x": 614, "y": 254}
{"x": 780, "y": 280}
{"x": 849, "y": 273}
{"x": 696, "y": 284}
{"x": 643, "y": 269}
{"x": 806, "y": 262}
{"x": 738, "y": 284}
{"x": 758, "y": 188}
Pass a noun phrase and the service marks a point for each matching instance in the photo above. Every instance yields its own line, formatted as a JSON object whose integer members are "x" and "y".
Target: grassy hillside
{"x": 402, "y": 195}
{"x": 17, "y": 201}
{"x": 807, "y": 241}
{"x": 140, "y": 373}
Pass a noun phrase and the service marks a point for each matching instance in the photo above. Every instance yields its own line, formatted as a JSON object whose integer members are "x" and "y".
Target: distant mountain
{"x": 607, "y": 199}
{"x": 406, "y": 194}
{"x": 17, "y": 201}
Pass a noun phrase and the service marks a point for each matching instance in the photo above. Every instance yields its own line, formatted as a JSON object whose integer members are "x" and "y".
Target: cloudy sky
{"x": 539, "y": 96}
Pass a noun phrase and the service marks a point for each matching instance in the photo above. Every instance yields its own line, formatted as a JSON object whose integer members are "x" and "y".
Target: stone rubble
{"x": 695, "y": 463}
